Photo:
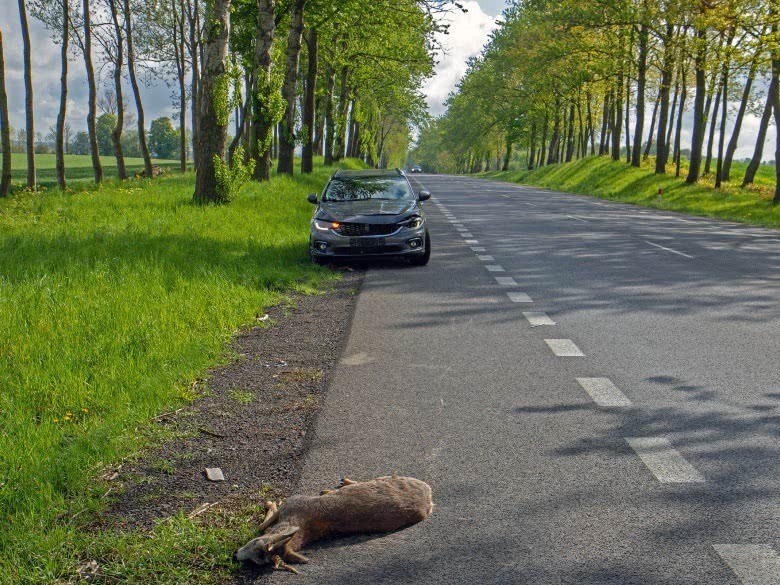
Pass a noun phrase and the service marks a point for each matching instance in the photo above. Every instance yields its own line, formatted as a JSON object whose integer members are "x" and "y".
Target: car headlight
{"x": 413, "y": 222}
{"x": 324, "y": 226}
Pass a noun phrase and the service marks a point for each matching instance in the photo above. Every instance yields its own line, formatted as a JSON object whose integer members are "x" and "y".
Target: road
{"x": 592, "y": 390}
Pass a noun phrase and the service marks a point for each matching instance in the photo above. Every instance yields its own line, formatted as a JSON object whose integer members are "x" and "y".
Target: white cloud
{"x": 468, "y": 34}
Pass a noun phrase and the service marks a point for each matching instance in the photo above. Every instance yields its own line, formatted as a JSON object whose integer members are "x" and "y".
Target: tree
{"x": 287, "y": 135}
{"x": 119, "y": 106}
{"x": 104, "y": 128}
{"x": 163, "y": 138}
{"x": 92, "y": 111}
{"x": 213, "y": 102}
{"x": 28, "y": 96}
{"x": 5, "y": 128}
{"x": 81, "y": 144}
{"x": 136, "y": 89}
{"x": 60, "y": 143}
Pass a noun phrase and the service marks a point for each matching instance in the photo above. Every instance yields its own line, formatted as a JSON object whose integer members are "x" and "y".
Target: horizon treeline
{"x": 626, "y": 78}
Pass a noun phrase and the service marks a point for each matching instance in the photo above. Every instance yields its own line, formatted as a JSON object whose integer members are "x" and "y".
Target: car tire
{"x": 315, "y": 260}
{"x": 423, "y": 258}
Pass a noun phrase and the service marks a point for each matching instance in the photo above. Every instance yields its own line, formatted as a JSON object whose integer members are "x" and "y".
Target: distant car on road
{"x": 372, "y": 213}
{"x": 415, "y": 169}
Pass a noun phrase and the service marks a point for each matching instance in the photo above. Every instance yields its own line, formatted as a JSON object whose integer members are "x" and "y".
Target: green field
{"x": 607, "y": 179}
{"x": 78, "y": 168}
{"x": 114, "y": 300}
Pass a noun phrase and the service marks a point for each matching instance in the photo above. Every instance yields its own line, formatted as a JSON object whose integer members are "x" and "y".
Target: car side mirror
{"x": 424, "y": 195}
{"x": 312, "y": 198}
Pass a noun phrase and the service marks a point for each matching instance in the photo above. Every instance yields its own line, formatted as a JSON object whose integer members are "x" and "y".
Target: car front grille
{"x": 367, "y": 229}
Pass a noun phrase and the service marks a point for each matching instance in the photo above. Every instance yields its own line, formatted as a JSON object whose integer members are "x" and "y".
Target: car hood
{"x": 367, "y": 210}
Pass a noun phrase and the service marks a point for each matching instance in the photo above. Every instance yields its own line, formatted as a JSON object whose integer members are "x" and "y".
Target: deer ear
{"x": 279, "y": 539}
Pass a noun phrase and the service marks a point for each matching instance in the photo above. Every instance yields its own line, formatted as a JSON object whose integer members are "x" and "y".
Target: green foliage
{"x": 164, "y": 139}
{"x": 269, "y": 104}
{"x": 226, "y": 91}
{"x": 115, "y": 300}
{"x": 232, "y": 176}
{"x": 104, "y": 126}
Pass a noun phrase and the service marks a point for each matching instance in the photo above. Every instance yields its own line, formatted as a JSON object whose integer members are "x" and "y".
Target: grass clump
{"x": 604, "y": 178}
{"x": 114, "y": 300}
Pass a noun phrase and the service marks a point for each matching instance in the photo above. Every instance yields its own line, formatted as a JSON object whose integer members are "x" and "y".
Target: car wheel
{"x": 316, "y": 260}
{"x": 423, "y": 259}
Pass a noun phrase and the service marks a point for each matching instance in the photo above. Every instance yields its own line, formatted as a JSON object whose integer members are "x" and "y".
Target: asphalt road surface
{"x": 591, "y": 389}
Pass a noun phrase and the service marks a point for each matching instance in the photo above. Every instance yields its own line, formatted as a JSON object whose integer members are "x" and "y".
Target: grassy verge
{"x": 114, "y": 300}
{"x": 604, "y": 178}
{"x": 78, "y": 168}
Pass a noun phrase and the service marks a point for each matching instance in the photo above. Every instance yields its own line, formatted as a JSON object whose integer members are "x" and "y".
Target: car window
{"x": 361, "y": 188}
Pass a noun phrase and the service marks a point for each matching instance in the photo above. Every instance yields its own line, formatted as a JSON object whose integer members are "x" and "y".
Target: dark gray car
{"x": 365, "y": 214}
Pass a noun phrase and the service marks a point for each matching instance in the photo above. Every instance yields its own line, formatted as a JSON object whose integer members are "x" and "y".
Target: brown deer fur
{"x": 380, "y": 505}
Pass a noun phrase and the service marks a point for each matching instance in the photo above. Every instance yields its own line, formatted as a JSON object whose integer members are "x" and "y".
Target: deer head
{"x": 266, "y": 548}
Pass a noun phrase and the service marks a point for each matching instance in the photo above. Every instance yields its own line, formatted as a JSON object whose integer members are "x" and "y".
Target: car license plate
{"x": 367, "y": 242}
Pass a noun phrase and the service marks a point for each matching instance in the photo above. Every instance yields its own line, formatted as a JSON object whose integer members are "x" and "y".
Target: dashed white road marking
{"x": 577, "y": 218}
{"x": 669, "y": 249}
{"x": 664, "y": 461}
{"x": 472, "y": 241}
{"x": 564, "y": 348}
{"x": 494, "y": 267}
{"x": 466, "y": 234}
{"x": 538, "y": 318}
{"x": 754, "y": 564}
{"x": 505, "y": 281}
{"x": 603, "y": 392}
{"x": 519, "y": 297}
{"x": 485, "y": 257}
{"x": 478, "y": 249}
{"x": 531, "y": 204}
{"x": 462, "y": 229}
{"x": 507, "y": 196}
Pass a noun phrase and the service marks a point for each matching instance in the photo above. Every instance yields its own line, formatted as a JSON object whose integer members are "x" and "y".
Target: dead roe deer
{"x": 380, "y": 505}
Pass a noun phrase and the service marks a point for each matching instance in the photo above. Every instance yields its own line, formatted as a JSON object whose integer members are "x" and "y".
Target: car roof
{"x": 366, "y": 173}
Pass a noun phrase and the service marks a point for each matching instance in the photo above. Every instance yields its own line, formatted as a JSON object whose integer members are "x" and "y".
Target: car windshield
{"x": 362, "y": 188}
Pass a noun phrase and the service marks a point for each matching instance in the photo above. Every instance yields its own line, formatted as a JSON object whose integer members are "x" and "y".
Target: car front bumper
{"x": 404, "y": 242}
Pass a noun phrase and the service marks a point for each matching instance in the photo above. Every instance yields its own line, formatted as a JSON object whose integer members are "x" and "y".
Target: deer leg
{"x": 293, "y": 557}
{"x": 326, "y": 492}
{"x": 280, "y": 565}
{"x": 271, "y": 516}
{"x": 347, "y": 481}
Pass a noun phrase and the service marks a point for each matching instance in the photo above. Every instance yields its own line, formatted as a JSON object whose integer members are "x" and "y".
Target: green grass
{"x": 78, "y": 168}
{"x": 114, "y": 300}
{"x": 604, "y": 178}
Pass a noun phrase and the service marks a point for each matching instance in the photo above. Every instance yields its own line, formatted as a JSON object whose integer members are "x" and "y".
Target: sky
{"x": 468, "y": 33}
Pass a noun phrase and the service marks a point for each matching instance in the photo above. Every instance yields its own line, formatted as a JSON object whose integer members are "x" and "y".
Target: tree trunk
{"x": 28, "y": 97}
{"x": 552, "y": 156}
{"x": 181, "y": 71}
{"x": 193, "y": 18}
{"x": 697, "y": 140}
{"x": 329, "y": 130}
{"x": 92, "y": 111}
{"x": 603, "y": 144}
{"x": 591, "y": 129}
{"x": 319, "y": 125}
{"x": 532, "y": 147}
{"x": 116, "y": 133}
{"x": 628, "y": 117}
{"x": 542, "y": 150}
{"x": 653, "y": 120}
{"x": 241, "y": 122}
{"x": 263, "y": 121}
{"x": 341, "y": 116}
{"x": 59, "y": 146}
{"x": 713, "y": 125}
{"x": 639, "y": 127}
{"x": 212, "y": 124}
{"x": 308, "y": 118}
{"x": 680, "y": 110}
{"x": 733, "y": 141}
{"x": 723, "y": 120}
{"x": 662, "y": 141}
{"x": 776, "y": 108}
{"x": 617, "y": 118}
{"x": 758, "y": 152}
{"x": 570, "y": 137}
{"x": 5, "y": 128}
{"x": 287, "y": 135}
{"x": 136, "y": 90}
{"x": 507, "y": 154}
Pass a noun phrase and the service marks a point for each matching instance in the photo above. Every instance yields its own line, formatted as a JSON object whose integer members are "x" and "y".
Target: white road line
{"x": 507, "y": 196}
{"x": 664, "y": 461}
{"x": 494, "y": 267}
{"x": 668, "y": 249}
{"x": 478, "y": 249}
{"x": 485, "y": 257}
{"x": 519, "y": 297}
{"x": 531, "y": 204}
{"x": 462, "y": 229}
{"x": 466, "y": 235}
{"x": 472, "y": 241}
{"x": 603, "y": 392}
{"x": 505, "y": 281}
{"x": 564, "y": 348}
{"x": 754, "y": 564}
{"x": 538, "y": 318}
{"x": 577, "y": 218}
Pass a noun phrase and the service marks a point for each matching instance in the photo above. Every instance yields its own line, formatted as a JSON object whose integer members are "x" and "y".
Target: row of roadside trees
{"x": 332, "y": 78}
{"x": 624, "y": 78}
